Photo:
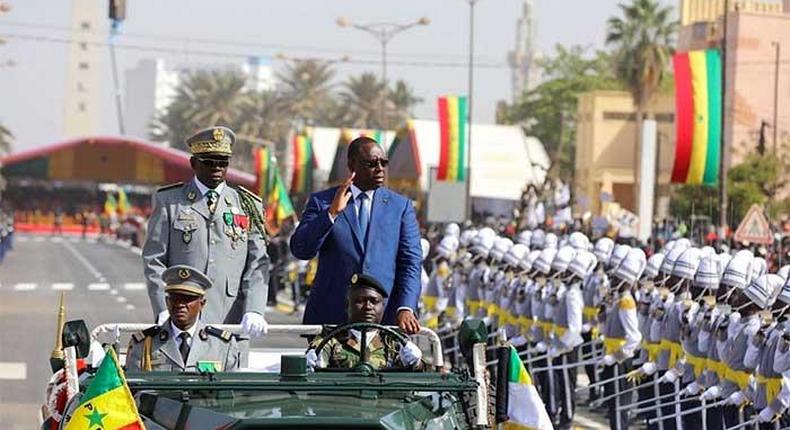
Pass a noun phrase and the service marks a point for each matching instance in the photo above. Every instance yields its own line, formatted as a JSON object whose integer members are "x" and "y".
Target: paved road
{"x": 103, "y": 283}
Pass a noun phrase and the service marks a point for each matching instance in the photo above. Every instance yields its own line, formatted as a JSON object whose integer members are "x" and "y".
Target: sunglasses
{"x": 213, "y": 163}
{"x": 371, "y": 164}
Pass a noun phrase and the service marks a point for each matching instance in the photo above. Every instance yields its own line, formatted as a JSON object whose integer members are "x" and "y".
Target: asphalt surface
{"x": 103, "y": 282}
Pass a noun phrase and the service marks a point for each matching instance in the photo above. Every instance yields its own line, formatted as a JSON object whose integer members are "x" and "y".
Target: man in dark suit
{"x": 361, "y": 227}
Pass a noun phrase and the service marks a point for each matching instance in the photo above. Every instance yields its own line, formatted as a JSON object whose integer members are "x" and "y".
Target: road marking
{"x": 120, "y": 299}
{"x": 130, "y": 307}
{"x": 25, "y": 287}
{"x": 98, "y": 287}
{"x": 13, "y": 370}
{"x": 22, "y": 239}
{"x": 60, "y": 286}
{"x": 74, "y": 239}
{"x": 134, "y": 286}
{"x": 114, "y": 292}
{"x": 91, "y": 268}
{"x": 39, "y": 239}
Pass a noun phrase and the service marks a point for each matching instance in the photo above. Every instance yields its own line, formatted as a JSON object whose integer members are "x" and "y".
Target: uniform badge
{"x": 191, "y": 196}
{"x": 187, "y": 236}
{"x": 227, "y": 200}
{"x": 228, "y": 218}
{"x": 354, "y": 278}
{"x": 183, "y": 274}
{"x": 163, "y": 335}
{"x": 219, "y": 134}
{"x": 203, "y": 335}
{"x": 234, "y": 210}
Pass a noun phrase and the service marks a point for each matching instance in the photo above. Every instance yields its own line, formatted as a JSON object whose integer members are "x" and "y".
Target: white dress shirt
{"x": 355, "y": 192}
{"x": 176, "y": 332}
{"x": 204, "y": 189}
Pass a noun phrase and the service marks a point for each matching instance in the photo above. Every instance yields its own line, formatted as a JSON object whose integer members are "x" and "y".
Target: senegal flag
{"x": 110, "y": 204}
{"x": 107, "y": 403}
{"x": 519, "y": 406}
{"x": 123, "y": 202}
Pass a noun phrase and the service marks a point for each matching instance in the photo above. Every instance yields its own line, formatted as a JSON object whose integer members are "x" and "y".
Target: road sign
{"x": 754, "y": 228}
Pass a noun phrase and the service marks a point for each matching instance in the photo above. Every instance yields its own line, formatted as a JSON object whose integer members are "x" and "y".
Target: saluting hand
{"x": 342, "y": 196}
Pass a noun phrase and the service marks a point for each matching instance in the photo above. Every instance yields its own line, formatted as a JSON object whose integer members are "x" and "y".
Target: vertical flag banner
{"x": 303, "y": 162}
{"x": 453, "y": 135}
{"x": 264, "y": 171}
{"x": 123, "y": 202}
{"x": 520, "y": 407}
{"x": 107, "y": 403}
{"x": 278, "y": 204}
{"x": 110, "y": 204}
{"x": 698, "y": 116}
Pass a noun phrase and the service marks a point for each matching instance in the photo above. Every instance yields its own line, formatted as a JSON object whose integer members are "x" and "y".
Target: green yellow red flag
{"x": 453, "y": 136}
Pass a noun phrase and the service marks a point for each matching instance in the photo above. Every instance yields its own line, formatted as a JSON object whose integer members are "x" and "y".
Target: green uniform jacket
{"x": 344, "y": 352}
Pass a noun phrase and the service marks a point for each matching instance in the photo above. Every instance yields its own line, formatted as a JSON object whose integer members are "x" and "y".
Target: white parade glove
{"x": 410, "y": 354}
{"x": 540, "y": 347}
{"x": 692, "y": 389}
{"x": 648, "y": 368}
{"x": 670, "y": 376}
{"x": 95, "y": 354}
{"x": 311, "y": 358}
{"x": 766, "y": 415}
{"x": 607, "y": 360}
{"x": 735, "y": 398}
{"x": 518, "y": 341}
{"x": 253, "y": 324}
{"x": 711, "y": 393}
{"x": 586, "y": 327}
{"x": 162, "y": 317}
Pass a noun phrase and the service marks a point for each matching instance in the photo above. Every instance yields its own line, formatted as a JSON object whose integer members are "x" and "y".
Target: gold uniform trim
{"x": 210, "y": 146}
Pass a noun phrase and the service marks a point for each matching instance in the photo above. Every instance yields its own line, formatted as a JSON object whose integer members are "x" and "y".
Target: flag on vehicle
{"x": 453, "y": 136}
{"x": 518, "y": 404}
{"x": 107, "y": 403}
{"x": 110, "y": 204}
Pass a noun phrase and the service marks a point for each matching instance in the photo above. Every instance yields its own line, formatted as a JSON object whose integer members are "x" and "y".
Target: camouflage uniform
{"x": 343, "y": 351}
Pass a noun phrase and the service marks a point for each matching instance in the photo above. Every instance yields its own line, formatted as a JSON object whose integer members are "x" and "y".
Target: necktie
{"x": 183, "y": 348}
{"x": 211, "y": 198}
{"x": 364, "y": 214}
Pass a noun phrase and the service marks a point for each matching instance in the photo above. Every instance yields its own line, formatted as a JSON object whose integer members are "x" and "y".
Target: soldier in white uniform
{"x": 183, "y": 340}
{"x": 218, "y": 229}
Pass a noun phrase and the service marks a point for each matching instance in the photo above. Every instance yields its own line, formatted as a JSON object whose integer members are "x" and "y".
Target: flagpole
{"x": 470, "y": 107}
{"x": 722, "y": 144}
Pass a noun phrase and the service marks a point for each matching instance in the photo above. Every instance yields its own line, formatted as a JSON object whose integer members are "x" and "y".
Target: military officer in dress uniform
{"x": 207, "y": 224}
{"x": 183, "y": 339}
{"x": 364, "y": 303}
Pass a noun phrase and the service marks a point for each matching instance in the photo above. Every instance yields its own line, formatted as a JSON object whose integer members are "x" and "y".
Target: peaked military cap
{"x": 215, "y": 140}
{"x": 183, "y": 279}
{"x": 361, "y": 280}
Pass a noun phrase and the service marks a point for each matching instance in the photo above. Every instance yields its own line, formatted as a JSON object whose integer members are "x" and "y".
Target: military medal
{"x": 227, "y": 200}
{"x": 228, "y": 218}
{"x": 187, "y": 236}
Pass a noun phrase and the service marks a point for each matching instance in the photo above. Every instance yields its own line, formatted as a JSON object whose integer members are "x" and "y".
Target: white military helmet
{"x": 738, "y": 271}
{"x": 467, "y": 236}
{"x": 452, "y": 229}
{"x": 687, "y": 264}
{"x": 579, "y": 241}
{"x": 759, "y": 267}
{"x": 447, "y": 247}
{"x": 708, "y": 250}
{"x": 632, "y": 266}
{"x": 653, "y": 264}
{"x": 538, "y": 239}
{"x": 764, "y": 290}
{"x": 551, "y": 241}
{"x": 584, "y": 264}
{"x": 515, "y": 254}
{"x": 708, "y": 273}
{"x": 425, "y": 246}
{"x": 784, "y": 271}
{"x": 784, "y": 295}
{"x": 671, "y": 257}
{"x": 563, "y": 259}
{"x": 483, "y": 233}
{"x": 619, "y": 253}
{"x": 724, "y": 260}
{"x": 525, "y": 238}
{"x": 529, "y": 259}
{"x": 603, "y": 249}
{"x": 501, "y": 246}
{"x": 544, "y": 260}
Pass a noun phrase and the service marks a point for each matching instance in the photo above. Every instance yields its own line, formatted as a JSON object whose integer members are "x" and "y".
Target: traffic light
{"x": 117, "y": 10}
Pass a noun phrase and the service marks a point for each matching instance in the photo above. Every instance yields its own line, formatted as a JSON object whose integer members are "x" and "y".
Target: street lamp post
{"x": 383, "y": 32}
{"x": 777, "y": 48}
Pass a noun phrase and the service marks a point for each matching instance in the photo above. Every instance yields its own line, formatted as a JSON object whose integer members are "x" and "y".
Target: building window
{"x": 699, "y": 31}
{"x": 80, "y": 87}
{"x": 84, "y": 65}
{"x": 84, "y": 46}
{"x": 619, "y": 116}
{"x": 85, "y": 25}
{"x": 81, "y": 106}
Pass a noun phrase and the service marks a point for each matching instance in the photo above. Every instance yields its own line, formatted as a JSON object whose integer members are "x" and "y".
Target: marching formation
{"x": 687, "y": 338}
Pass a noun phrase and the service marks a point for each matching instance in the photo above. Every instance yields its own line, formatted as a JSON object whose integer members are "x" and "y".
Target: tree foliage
{"x": 6, "y": 140}
{"x": 548, "y": 111}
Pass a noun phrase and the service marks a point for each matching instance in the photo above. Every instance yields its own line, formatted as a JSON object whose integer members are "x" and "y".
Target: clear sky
{"x": 33, "y": 90}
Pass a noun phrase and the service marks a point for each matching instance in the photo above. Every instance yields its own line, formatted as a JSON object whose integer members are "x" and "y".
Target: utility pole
{"x": 777, "y": 47}
{"x": 117, "y": 14}
{"x": 722, "y": 144}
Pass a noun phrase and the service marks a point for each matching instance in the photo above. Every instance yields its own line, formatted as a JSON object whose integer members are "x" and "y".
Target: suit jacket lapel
{"x": 380, "y": 199}
{"x": 170, "y": 347}
{"x": 199, "y": 204}
{"x": 350, "y": 214}
{"x": 198, "y": 348}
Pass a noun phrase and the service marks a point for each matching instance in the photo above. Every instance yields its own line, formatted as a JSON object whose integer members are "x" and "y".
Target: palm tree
{"x": 360, "y": 101}
{"x": 402, "y": 101}
{"x": 6, "y": 140}
{"x": 203, "y": 98}
{"x": 643, "y": 38}
{"x": 306, "y": 88}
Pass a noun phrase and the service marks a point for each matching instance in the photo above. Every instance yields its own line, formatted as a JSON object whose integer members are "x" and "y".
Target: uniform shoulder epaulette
{"x": 249, "y": 193}
{"x": 169, "y": 186}
{"x": 627, "y": 302}
{"x": 149, "y": 332}
{"x": 222, "y": 334}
